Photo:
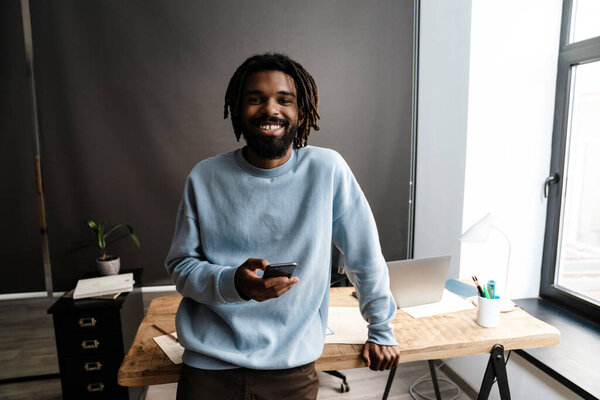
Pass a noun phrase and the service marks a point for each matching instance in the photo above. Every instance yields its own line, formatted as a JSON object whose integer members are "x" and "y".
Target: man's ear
{"x": 300, "y": 117}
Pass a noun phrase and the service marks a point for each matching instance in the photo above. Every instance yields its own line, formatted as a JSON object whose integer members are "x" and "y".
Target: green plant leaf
{"x": 135, "y": 239}
{"x": 102, "y": 238}
{"x": 101, "y": 242}
{"x": 114, "y": 228}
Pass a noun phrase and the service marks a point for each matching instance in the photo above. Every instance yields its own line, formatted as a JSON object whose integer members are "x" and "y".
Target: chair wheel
{"x": 344, "y": 387}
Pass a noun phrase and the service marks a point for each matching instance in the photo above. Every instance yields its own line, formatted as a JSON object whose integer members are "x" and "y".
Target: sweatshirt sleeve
{"x": 194, "y": 276}
{"x": 355, "y": 234}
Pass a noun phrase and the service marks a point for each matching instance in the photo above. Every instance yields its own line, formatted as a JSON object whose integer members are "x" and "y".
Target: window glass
{"x": 585, "y": 20}
{"x": 579, "y": 241}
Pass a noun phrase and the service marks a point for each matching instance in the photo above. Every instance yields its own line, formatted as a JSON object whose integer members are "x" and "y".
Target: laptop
{"x": 418, "y": 281}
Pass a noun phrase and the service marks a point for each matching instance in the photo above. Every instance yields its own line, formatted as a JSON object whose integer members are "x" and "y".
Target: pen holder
{"x": 488, "y": 311}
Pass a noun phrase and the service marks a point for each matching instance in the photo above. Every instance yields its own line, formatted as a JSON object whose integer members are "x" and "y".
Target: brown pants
{"x": 300, "y": 383}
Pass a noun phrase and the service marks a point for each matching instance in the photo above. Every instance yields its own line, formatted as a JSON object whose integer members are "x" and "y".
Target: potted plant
{"x": 109, "y": 264}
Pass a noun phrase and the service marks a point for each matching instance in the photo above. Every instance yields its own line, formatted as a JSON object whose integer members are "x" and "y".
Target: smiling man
{"x": 274, "y": 200}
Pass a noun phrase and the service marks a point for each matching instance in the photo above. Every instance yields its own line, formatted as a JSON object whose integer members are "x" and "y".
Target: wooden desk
{"x": 431, "y": 338}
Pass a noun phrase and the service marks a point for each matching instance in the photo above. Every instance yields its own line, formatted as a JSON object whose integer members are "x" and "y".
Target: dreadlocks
{"x": 306, "y": 88}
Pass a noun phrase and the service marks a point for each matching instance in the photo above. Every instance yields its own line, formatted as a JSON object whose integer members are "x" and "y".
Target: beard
{"x": 269, "y": 147}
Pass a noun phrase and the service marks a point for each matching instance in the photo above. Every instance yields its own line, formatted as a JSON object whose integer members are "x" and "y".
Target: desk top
{"x": 430, "y": 338}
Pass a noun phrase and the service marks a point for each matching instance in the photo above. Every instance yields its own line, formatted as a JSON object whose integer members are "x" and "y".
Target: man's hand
{"x": 379, "y": 357}
{"x": 251, "y": 286}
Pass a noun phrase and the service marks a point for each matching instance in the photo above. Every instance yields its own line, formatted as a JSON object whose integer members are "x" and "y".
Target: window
{"x": 571, "y": 266}
{"x": 584, "y": 20}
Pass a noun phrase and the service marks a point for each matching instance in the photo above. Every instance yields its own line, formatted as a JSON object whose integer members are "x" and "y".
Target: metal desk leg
{"x": 436, "y": 387}
{"x": 388, "y": 385}
{"x": 496, "y": 368}
{"x": 434, "y": 380}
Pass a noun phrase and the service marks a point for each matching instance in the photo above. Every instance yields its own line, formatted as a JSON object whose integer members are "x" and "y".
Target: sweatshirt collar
{"x": 265, "y": 173}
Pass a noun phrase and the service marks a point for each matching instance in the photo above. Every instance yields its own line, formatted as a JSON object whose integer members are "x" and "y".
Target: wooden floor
{"x": 364, "y": 385}
{"x": 27, "y": 345}
{"x": 27, "y": 348}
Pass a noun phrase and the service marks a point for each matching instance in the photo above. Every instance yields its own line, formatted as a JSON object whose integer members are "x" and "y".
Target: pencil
{"x": 165, "y": 332}
{"x": 479, "y": 289}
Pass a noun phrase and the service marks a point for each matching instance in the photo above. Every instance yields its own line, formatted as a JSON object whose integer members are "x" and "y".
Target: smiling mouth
{"x": 268, "y": 128}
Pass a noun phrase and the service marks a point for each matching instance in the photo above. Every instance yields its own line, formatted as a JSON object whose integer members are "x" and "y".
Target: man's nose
{"x": 270, "y": 107}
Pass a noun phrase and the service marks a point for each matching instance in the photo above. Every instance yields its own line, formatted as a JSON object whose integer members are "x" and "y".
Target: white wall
{"x": 503, "y": 54}
{"x": 524, "y": 380}
{"x": 442, "y": 128}
{"x": 512, "y": 83}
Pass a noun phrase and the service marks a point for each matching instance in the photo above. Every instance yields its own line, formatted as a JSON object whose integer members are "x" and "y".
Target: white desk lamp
{"x": 479, "y": 233}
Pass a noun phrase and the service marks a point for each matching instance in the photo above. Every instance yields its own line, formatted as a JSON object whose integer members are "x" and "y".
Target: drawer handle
{"x": 92, "y": 366}
{"x": 86, "y": 322}
{"x": 95, "y": 387}
{"x": 90, "y": 344}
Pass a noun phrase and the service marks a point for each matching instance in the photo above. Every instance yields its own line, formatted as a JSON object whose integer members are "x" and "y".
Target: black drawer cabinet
{"x": 91, "y": 339}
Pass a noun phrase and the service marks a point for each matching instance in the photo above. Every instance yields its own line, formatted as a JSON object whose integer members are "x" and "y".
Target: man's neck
{"x": 265, "y": 163}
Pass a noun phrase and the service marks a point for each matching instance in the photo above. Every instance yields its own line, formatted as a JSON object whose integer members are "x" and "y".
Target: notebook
{"x": 418, "y": 281}
{"x": 103, "y": 285}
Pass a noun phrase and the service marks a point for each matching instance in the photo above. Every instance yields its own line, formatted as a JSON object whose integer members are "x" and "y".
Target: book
{"x": 102, "y": 286}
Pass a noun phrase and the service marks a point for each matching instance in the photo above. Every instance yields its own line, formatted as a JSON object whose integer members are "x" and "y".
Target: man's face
{"x": 269, "y": 113}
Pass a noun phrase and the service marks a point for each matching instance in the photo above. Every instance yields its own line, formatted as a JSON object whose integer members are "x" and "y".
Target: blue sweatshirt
{"x": 232, "y": 211}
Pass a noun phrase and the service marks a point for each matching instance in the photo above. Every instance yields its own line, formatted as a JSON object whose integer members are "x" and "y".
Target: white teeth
{"x": 269, "y": 127}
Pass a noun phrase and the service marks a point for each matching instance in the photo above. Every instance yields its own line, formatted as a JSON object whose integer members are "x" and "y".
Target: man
{"x": 275, "y": 200}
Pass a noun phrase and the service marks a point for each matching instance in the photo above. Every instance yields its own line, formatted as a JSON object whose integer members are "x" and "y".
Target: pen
{"x": 479, "y": 289}
{"x": 165, "y": 332}
{"x": 491, "y": 287}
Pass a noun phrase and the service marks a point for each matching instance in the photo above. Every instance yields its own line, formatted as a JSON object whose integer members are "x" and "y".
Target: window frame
{"x": 570, "y": 54}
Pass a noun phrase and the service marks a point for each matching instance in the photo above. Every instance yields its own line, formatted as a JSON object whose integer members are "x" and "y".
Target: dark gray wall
{"x": 20, "y": 245}
{"x": 131, "y": 97}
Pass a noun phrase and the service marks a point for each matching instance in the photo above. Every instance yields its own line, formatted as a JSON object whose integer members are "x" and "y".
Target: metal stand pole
{"x": 26, "y": 17}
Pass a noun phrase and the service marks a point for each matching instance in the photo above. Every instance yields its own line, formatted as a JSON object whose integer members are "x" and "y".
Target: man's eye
{"x": 254, "y": 100}
{"x": 285, "y": 101}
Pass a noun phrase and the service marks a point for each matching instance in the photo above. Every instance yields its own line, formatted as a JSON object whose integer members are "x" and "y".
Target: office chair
{"x": 338, "y": 278}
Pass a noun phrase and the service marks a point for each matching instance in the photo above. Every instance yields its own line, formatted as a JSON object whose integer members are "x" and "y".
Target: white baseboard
{"x": 28, "y": 295}
{"x": 37, "y": 295}
{"x": 150, "y": 289}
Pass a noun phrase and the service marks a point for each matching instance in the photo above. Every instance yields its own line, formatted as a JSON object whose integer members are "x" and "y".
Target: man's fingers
{"x": 276, "y": 282}
{"x": 377, "y": 364}
{"x": 265, "y": 289}
{"x": 285, "y": 286}
{"x": 279, "y": 283}
{"x": 390, "y": 360}
{"x": 382, "y": 353}
{"x": 282, "y": 291}
{"x": 380, "y": 357}
{"x": 365, "y": 355}
{"x": 255, "y": 263}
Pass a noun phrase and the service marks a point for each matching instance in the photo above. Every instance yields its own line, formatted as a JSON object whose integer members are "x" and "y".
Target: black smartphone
{"x": 282, "y": 269}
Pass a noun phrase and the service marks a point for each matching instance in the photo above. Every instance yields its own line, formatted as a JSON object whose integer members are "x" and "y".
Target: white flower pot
{"x": 110, "y": 266}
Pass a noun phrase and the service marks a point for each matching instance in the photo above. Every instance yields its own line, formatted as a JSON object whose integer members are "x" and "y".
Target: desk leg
{"x": 388, "y": 385}
{"x": 434, "y": 380}
{"x": 496, "y": 368}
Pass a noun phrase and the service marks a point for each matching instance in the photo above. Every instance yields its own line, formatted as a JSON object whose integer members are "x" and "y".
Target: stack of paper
{"x": 346, "y": 325}
{"x": 449, "y": 303}
{"x": 104, "y": 285}
{"x": 172, "y": 349}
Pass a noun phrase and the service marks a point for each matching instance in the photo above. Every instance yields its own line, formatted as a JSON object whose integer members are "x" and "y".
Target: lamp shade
{"x": 479, "y": 231}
